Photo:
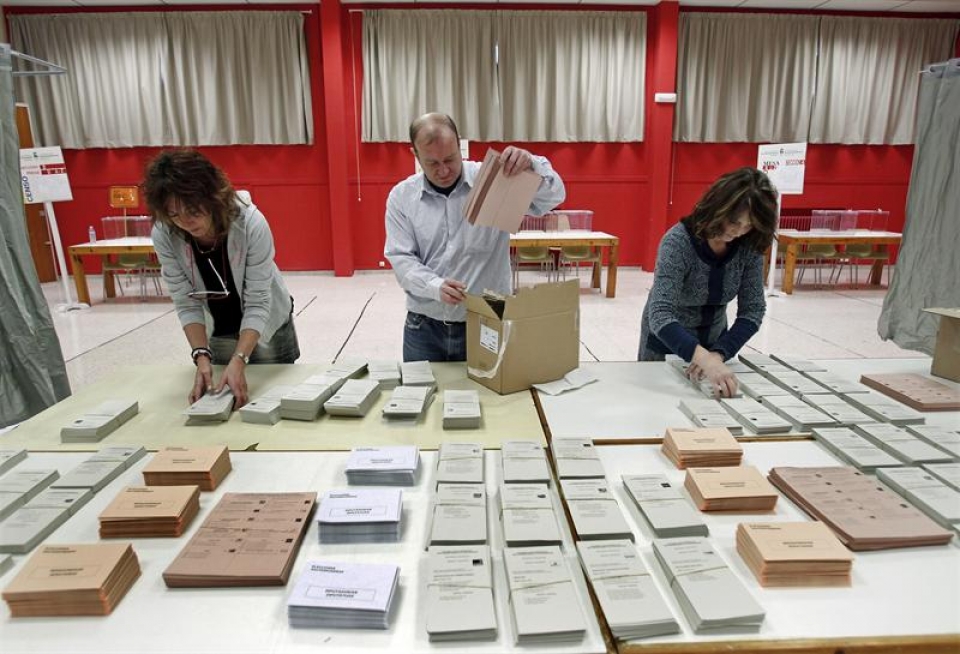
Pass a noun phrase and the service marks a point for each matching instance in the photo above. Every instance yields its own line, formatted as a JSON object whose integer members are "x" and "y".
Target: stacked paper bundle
{"x": 395, "y": 465}
{"x": 249, "y": 539}
{"x": 802, "y": 415}
{"x": 101, "y": 421}
{"x": 852, "y": 448}
{"x": 691, "y": 447}
{"x": 150, "y": 512}
{"x": 798, "y": 364}
{"x": 355, "y": 398}
{"x": 6, "y": 562}
{"x": 709, "y": 593}
{"x": 756, "y": 417}
{"x": 763, "y": 364}
{"x": 710, "y": 414}
{"x": 595, "y": 511}
{"x": 101, "y": 468}
{"x": 907, "y": 447}
{"x": 544, "y": 602}
{"x": 408, "y": 402}
{"x": 187, "y": 466}
{"x": 757, "y": 386}
{"x": 305, "y": 400}
{"x": 61, "y": 580}
{"x": 460, "y": 594}
{"x": 794, "y": 554}
{"x": 576, "y": 458}
{"x": 360, "y": 516}
{"x": 460, "y": 463}
{"x": 631, "y": 603}
{"x": 332, "y": 595}
{"x": 385, "y": 373}
{"x": 835, "y": 383}
{"x": 70, "y": 499}
{"x": 528, "y": 516}
{"x": 28, "y": 526}
{"x": 461, "y": 409}
{"x": 797, "y": 383}
{"x": 124, "y": 454}
{"x": 948, "y": 473}
{"x": 211, "y": 408}
{"x": 737, "y": 488}
{"x": 926, "y": 492}
{"x": 348, "y": 368}
{"x": 10, "y": 458}
{"x": 524, "y": 462}
{"x": 459, "y": 515}
{"x": 417, "y": 373}
{"x": 837, "y": 408}
{"x": 666, "y": 510}
{"x": 946, "y": 439}
{"x": 840, "y": 497}
{"x": 883, "y": 409}
{"x": 265, "y": 409}
{"x": 20, "y": 486}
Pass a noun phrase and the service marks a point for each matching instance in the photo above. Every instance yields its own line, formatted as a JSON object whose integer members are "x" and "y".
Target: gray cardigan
{"x": 264, "y": 298}
{"x": 691, "y": 289}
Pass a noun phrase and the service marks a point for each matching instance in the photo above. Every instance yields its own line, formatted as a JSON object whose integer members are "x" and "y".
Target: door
{"x": 38, "y": 233}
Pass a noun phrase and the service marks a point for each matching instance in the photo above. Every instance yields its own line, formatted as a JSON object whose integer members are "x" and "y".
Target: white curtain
{"x": 420, "y": 61}
{"x": 869, "y": 76}
{"x": 745, "y": 77}
{"x": 572, "y": 76}
{"x": 168, "y": 78}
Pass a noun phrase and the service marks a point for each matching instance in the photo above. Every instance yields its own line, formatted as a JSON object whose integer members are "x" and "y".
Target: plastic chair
{"x": 574, "y": 255}
{"x": 862, "y": 251}
{"x": 816, "y": 254}
{"x": 130, "y": 265}
{"x": 541, "y": 256}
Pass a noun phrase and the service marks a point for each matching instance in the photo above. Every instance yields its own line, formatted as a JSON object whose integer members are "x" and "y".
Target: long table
{"x": 104, "y": 249}
{"x": 574, "y": 238}
{"x": 792, "y": 239}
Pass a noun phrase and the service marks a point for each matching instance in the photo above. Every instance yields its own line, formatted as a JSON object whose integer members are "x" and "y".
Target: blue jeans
{"x": 283, "y": 347}
{"x": 426, "y": 339}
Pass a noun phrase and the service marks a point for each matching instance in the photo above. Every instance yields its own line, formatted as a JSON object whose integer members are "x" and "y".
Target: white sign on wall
{"x": 43, "y": 175}
{"x": 784, "y": 164}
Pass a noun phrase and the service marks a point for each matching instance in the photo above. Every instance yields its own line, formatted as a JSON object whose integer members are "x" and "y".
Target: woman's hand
{"x": 203, "y": 380}
{"x": 235, "y": 377}
{"x": 709, "y": 365}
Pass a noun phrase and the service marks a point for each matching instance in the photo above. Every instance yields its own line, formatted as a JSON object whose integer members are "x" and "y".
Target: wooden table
{"x": 577, "y": 237}
{"x": 103, "y": 249}
{"x": 792, "y": 239}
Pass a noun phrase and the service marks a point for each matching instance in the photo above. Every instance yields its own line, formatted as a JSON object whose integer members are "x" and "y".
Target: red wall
{"x": 291, "y": 184}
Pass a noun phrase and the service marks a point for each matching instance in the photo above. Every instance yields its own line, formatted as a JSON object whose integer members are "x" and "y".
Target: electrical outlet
{"x": 383, "y": 264}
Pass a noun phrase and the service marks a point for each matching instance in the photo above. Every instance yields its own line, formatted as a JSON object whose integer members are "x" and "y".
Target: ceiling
{"x": 911, "y": 6}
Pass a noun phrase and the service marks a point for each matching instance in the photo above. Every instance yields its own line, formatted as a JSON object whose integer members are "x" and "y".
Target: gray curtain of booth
{"x": 928, "y": 268}
{"x": 33, "y": 375}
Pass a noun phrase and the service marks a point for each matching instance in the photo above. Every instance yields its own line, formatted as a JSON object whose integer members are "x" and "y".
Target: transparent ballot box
{"x": 124, "y": 226}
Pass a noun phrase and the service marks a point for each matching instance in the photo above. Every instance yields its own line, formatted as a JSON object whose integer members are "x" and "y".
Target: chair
{"x": 816, "y": 254}
{"x": 129, "y": 265}
{"x": 862, "y": 252}
{"x": 574, "y": 255}
{"x": 540, "y": 256}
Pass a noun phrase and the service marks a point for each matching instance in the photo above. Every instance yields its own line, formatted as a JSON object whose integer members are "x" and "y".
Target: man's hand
{"x": 515, "y": 160}
{"x": 452, "y": 291}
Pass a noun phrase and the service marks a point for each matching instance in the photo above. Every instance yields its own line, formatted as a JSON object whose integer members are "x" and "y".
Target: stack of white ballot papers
{"x": 853, "y": 448}
{"x": 756, "y": 417}
{"x": 211, "y": 408}
{"x": 798, "y": 412}
{"x": 595, "y": 511}
{"x": 348, "y": 369}
{"x": 907, "y": 447}
{"x": 710, "y": 595}
{"x": 524, "y": 463}
{"x": 460, "y": 463}
{"x": 461, "y": 409}
{"x": 92, "y": 473}
{"x": 102, "y": 420}
{"x": 394, "y": 465}
{"x": 631, "y": 603}
{"x": 385, "y": 373}
{"x": 459, "y": 515}
{"x": 19, "y": 486}
{"x": 417, "y": 373}
{"x": 528, "y": 516}
{"x": 460, "y": 594}
{"x": 305, "y": 400}
{"x": 544, "y": 602}
{"x": 355, "y": 398}
{"x": 10, "y": 458}
{"x": 332, "y": 595}
{"x": 408, "y": 402}
{"x": 360, "y": 516}
{"x": 710, "y": 413}
{"x": 576, "y": 458}
{"x": 666, "y": 510}
{"x": 265, "y": 409}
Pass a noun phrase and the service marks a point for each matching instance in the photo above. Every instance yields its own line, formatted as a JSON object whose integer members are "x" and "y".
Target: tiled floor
{"x": 362, "y": 316}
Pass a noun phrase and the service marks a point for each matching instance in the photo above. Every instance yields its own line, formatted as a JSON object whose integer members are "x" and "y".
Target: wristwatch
{"x": 243, "y": 357}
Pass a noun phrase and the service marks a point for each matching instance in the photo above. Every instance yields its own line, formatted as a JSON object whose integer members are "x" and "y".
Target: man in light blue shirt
{"x": 436, "y": 254}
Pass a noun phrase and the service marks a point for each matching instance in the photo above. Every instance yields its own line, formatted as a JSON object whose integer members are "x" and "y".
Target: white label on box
{"x": 490, "y": 339}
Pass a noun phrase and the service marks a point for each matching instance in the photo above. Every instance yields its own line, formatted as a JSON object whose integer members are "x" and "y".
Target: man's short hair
{"x": 431, "y": 124}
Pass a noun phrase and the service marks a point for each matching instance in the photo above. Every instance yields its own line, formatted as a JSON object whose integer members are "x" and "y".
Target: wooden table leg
{"x": 612, "y": 270}
{"x": 789, "y": 267}
{"x": 109, "y": 280}
{"x": 876, "y": 271}
{"x": 79, "y": 279}
{"x": 595, "y": 276}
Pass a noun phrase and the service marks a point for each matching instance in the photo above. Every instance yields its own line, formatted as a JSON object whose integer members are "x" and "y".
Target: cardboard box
{"x": 525, "y": 339}
{"x": 946, "y": 354}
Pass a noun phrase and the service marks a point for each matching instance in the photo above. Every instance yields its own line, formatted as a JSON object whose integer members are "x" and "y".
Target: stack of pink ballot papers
{"x": 736, "y": 488}
{"x": 499, "y": 201}
{"x": 701, "y": 447}
{"x": 862, "y": 512}
{"x": 794, "y": 554}
{"x": 183, "y": 466}
{"x": 150, "y": 511}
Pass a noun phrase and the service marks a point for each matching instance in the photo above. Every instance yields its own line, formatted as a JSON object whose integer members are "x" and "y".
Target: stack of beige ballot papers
{"x": 96, "y": 424}
{"x": 187, "y": 466}
{"x": 544, "y": 601}
{"x": 689, "y": 447}
{"x": 737, "y": 488}
{"x": 862, "y": 514}
{"x": 460, "y": 594}
{"x": 794, "y": 554}
{"x": 62, "y": 580}
{"x": 212, "y": 408}
{"x": 249, "y": 539}
{"x": 528, "y": 516}
{"x": 497, "y": 200}
{"x": 150, "y": 512}
{"x": 523, "y": 462}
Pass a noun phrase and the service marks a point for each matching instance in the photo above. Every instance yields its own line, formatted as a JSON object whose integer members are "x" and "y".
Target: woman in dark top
{"x": 709, "y": 258}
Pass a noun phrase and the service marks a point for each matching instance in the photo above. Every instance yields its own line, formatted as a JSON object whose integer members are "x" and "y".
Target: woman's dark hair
{"x": 746, "y": 190}
{"x": 192, "y": 180}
